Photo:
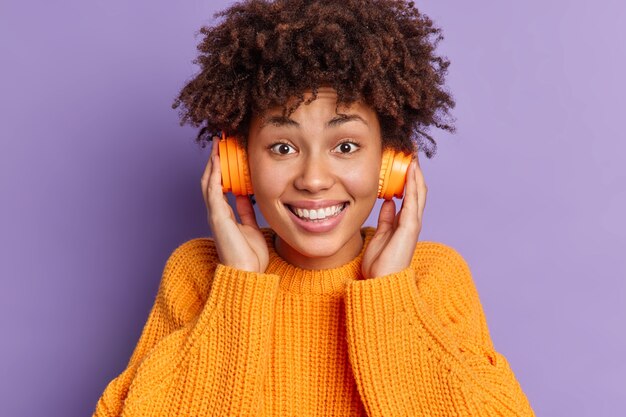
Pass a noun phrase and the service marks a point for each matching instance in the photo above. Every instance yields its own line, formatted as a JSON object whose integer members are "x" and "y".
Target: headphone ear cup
{"x": 393, "y": 170}
{"x": 244, "y": 173}
{"x": 385, "y": 170}
{"x": 234, "y": 164}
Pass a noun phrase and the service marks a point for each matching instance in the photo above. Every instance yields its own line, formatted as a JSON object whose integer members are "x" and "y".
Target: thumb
{"x": 246, "y": 211}
{"x": 386, "y": 216}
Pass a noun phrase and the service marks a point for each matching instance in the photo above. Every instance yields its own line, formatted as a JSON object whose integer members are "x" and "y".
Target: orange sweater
{"x": 292, "y": 342}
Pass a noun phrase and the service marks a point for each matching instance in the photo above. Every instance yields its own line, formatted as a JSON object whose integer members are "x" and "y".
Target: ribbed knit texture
{"x": 291, "y": 342}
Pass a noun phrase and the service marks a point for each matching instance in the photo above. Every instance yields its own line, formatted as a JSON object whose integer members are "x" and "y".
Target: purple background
{"x": 99, "y": 184}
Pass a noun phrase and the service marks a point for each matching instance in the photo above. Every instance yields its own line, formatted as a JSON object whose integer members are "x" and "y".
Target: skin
{"x": 314, "y": 165}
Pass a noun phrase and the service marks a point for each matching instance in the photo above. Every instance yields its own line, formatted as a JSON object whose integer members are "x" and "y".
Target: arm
{"x": 203, "y": 342}
{"x": 419, "y": 343}
{"x": 209, "y": 328}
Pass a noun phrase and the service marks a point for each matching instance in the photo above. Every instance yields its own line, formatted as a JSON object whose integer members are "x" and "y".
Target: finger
{"x": 408, "y": 215}
{"x": 396, "y": 217}
{"x": 204, "y": 180}
{"x": 217, "y": 201}
{"x": 215, "y": 179}
{"x": 386, "y": 217}
{"x": 422, "y": 190}
{"x": 246, "y": 211}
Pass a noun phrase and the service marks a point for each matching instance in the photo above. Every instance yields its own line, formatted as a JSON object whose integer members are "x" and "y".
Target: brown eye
{"x": 281, "y": 148}
{"x": 347, "y": 147}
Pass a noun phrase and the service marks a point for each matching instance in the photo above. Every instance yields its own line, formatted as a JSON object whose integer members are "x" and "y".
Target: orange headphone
{"x": 236, "y": 178}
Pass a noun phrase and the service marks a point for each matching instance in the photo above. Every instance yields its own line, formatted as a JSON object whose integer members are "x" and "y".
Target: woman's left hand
{"x": 391, "y": 248}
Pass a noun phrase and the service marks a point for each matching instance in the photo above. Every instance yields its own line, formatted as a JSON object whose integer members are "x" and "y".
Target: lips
{"x": 318, "y": 225}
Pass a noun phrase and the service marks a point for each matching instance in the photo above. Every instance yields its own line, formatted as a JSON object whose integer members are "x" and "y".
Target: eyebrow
{"x": 338, "y": 120}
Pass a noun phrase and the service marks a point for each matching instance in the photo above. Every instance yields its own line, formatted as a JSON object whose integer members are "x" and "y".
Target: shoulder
{"x": 444, "y": 280}
{"x": 187, "y": 277}
{"x": 441, "y": 271}
{"x": 436, "y": 255}
{"x": 194, "y": 253}
{"x": 436, "y": 260}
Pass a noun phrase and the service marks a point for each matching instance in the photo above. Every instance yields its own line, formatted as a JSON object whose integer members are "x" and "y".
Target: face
{"x": 315, "y": 176}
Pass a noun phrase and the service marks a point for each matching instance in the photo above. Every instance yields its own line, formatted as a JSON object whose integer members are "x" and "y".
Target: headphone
{"x": 236, "y": 177}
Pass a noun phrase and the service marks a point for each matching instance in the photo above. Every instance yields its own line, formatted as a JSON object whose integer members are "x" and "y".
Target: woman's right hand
{"x": 241, "y": 246}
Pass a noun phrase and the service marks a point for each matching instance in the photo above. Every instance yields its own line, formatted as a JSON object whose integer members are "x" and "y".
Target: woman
{"x": 316, "y": 315}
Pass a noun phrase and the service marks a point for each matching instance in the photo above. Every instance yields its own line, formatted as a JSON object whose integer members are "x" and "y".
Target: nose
{"x": 315, "y": 174}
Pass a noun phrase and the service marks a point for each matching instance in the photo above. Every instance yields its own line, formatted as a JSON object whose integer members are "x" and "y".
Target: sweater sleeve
{"x": 204, "y": 341}
{"x": 419, "y": 343}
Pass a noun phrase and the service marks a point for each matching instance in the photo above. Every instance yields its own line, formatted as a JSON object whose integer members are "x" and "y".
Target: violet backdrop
{"x": 100, "y": 184}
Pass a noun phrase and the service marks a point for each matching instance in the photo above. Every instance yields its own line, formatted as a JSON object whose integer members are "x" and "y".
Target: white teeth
{"x": 318, "y": 214}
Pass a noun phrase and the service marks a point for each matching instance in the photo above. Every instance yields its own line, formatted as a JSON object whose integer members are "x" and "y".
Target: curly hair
{"x": 266, "y": 53}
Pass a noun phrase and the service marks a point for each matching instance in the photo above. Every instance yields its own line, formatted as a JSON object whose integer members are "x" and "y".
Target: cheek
{"x": 362, "y": 180}
{"x": 266, "y": 181}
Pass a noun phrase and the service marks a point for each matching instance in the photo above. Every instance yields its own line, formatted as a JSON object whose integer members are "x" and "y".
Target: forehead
{"x": 323, "y": 105}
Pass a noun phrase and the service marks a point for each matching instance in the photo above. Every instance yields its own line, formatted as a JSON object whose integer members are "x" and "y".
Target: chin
{"x": 323, "y": 250}
{"x": 335, "y": 245}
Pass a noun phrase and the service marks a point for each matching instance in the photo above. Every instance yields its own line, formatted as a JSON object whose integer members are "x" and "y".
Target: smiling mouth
{"x": 318, "y": 215}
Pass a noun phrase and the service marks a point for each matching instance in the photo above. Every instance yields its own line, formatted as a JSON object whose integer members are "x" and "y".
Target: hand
{"x": 241, "y": 246}
{"x": 391, "y": 248}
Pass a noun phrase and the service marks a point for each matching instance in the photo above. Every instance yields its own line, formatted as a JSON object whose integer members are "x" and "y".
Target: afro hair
{"x": 262, "y": 54}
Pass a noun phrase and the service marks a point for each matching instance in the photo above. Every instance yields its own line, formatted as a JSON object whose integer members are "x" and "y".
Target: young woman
{"x": 316, "y": 315}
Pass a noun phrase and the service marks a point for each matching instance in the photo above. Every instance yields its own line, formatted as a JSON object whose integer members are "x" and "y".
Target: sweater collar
{"x": 314, "y": 281}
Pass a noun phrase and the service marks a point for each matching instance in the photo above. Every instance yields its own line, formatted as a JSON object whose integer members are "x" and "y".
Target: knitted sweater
{"x": 220, "y": 341}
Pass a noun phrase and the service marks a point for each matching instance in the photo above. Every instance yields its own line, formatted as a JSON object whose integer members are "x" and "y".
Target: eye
{"x": 348, "y": 147}
{"x": 281, "y": 148}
